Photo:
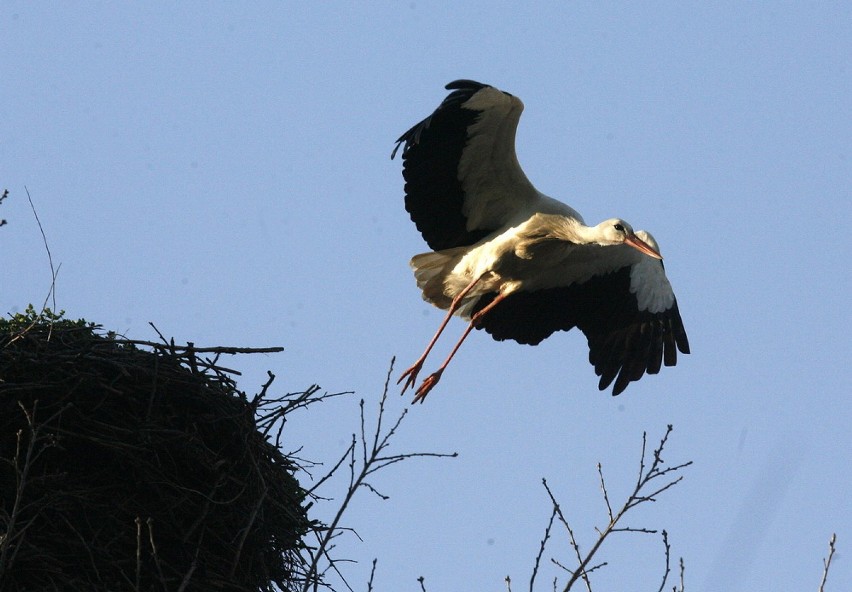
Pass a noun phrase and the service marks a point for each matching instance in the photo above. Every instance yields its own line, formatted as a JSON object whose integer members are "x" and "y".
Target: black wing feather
{"x": 624, "y": 342}
{"x": 431, "y": 151}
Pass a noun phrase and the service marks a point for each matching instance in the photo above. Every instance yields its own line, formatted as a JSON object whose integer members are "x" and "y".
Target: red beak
{"x": 642, "y": 246}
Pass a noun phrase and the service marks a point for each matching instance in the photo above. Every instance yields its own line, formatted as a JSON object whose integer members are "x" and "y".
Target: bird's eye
{"x": 619, "y": 227}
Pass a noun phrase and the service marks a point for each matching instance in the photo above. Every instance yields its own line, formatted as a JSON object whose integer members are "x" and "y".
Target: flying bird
{"x": 522, "y": 265}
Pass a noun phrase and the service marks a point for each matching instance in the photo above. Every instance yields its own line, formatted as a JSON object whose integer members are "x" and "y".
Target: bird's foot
{"x": 428, "y": 384}
{"x": 411, "y": 375}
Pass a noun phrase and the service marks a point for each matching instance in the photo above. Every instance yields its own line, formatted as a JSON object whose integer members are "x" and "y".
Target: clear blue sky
{"x": 223, "y": 171}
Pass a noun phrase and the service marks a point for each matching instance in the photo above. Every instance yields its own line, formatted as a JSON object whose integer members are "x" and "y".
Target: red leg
{"x": 412, "y": 372}
{"x": 430, "y": 381}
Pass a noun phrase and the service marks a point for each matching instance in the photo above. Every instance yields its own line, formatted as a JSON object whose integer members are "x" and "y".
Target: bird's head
{"x": 616, "y": 231}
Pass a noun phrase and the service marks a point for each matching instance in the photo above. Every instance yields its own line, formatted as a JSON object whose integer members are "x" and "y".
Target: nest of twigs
{"x": 137, "y": 466}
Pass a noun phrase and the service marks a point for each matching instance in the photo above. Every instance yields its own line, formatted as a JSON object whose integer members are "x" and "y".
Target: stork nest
{"x": 129, "y": 465}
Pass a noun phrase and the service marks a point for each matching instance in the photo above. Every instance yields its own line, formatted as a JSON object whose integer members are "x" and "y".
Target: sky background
{"x": 224, "y": 172}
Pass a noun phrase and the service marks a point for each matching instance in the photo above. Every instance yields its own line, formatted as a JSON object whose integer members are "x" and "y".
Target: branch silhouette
{"x": 367, "y": 454}
{"x": 653, "y": 479}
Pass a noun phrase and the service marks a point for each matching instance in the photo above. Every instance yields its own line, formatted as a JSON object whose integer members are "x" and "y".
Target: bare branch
{"x": 668, "y": 549}
{"x": 581, "y": 570}
{"x": 603, "y": 489}
{"x": 24, "y": 461}
{"x": 51, "y": 293}
{"x": 647, "y": 487}
{"x": 3, "y": 197}
{"x": 541, "y": 549}
{"x": 372, "y": 457}
{"x": 827, "y": 562}
{"x": 372, "y": 575}
{"x": 205, "y": 350}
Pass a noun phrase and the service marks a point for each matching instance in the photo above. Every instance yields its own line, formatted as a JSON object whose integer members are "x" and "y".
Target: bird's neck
{"x": 586, "y": 235}
{"x": 562, "y": 228}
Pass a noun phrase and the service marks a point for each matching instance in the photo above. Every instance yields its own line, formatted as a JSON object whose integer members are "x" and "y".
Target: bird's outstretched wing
{"x": 629, "y": 330}
{"x": 463, "y": 179}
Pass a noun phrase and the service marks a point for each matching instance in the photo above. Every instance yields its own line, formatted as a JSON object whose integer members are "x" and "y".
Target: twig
{"x": 281, "y": 407}
{"x": 51, "y": 294}
{"x": 581, "y": 570}
{"x": 138, "y": 552}
{"x": 205, "y": 350}
{"x": 261, "y": 499}
{"x": 154, "y": 327}
{"x": 333, "y": 470}
{"x": 372, "y": 459}
{"x": 372, "y": 575}
{"x": 603, "y": 488}
{"x": 668, "y": 549}
{"x": 827, "y": 562}
{"x": 22, "y": 473}
{"x": 54, "y": 272}
{"x": 543, "y": 545}
{"x": 3, "y": 197}
{"x": 636, "y": 497}
{"x": 648, "y": 476}
{"x": 187, "y": 577}
{"x": 149, "y": 522}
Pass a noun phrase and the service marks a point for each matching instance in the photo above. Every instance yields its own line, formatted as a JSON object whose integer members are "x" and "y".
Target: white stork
{"x": 518, "y": 263}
